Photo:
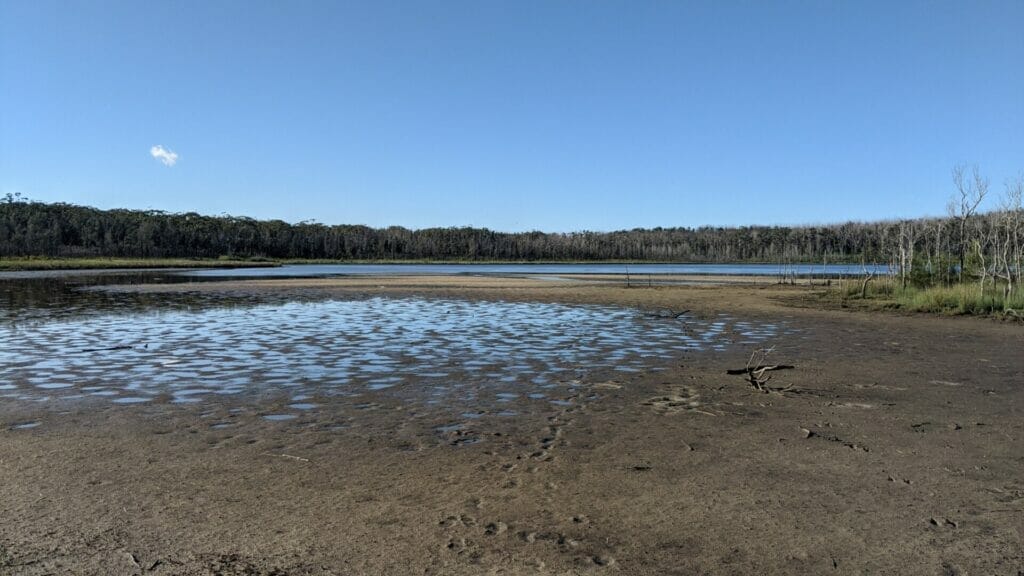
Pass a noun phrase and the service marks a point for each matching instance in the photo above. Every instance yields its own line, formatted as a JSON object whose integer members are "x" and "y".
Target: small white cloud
{"x": 168, "y": 157}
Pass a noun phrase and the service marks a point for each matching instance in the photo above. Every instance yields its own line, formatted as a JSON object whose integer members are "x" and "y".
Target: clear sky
{"x": 526, "y": 114}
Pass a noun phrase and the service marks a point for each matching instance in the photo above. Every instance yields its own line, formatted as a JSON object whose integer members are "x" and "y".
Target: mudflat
{"x": 894, "y": 446}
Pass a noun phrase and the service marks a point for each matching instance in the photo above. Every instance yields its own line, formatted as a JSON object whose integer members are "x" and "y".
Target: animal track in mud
{"x": 457, "y": 435}
{"x": 808, "y": 433}
{"x": 549, "y": 439}
{"x": 568, "y": 545}
{"x": 898, "y": 480}
{"x": 461, "y": 520}
{"x": 939, "y": 522}
{"x": 679, "y": 398}
{"x": 469, "y": 539}
{"x": 926, "y": 427}
{"x": 552, "y": 436}
{"x": 1010, "y": 494}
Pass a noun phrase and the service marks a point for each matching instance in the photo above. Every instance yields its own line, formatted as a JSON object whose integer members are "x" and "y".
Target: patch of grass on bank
{"x": 965, "y": 299}
{"x": 11, "y": 264}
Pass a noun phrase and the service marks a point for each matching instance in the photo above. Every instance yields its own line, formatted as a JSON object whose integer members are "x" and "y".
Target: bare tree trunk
{"x": 971, "y": 192}
{"x": 868, "y": 277}
{"x": 984, "y": 269}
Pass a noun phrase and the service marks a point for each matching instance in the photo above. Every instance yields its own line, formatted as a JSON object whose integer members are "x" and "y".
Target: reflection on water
{"x": 43, "y": 296}
{"x": 452, "y": 353}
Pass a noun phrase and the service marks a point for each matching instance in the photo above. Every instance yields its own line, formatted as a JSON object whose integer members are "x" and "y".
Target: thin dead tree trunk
{"x": 867, "y": 277}
{"x": 971, "y": 192}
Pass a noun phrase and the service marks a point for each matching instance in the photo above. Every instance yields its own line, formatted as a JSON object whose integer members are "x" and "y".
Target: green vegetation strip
{"x": 956, "y": 299}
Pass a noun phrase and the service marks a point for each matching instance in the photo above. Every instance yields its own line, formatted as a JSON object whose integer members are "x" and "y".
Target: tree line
{"x": 967, "y": 241}
{"x": 64, "y": 230}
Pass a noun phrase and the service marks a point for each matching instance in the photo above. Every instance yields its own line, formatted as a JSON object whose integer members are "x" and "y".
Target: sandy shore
{"x": 896, "y": 450}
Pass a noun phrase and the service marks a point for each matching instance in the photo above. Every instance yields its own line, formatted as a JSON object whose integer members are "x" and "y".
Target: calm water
{"x": 27, "y": 297}
{"x": 542, "y": 269}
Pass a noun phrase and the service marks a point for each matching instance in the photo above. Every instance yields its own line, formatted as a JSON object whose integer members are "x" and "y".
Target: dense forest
{"x": 64, "y": 230}
{"x": 987, "y": 243}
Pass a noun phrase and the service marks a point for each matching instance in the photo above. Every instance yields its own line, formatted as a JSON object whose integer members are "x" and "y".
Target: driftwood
{"x": 757, "y": 370}
{"x": 760, "y": 369}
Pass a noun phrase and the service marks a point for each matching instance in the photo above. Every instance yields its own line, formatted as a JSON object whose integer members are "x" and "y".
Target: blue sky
{"x": 553, "y": 115}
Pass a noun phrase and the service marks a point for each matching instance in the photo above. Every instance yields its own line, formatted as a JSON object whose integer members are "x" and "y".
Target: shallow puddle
{"x": 469, "y": 355}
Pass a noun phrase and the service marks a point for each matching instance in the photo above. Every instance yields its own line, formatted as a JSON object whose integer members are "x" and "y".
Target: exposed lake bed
{"x": 463, "y": 425}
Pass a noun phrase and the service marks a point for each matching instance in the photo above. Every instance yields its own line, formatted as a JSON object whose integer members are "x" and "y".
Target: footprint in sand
{"x": 679, "y": 399}
{"x": 565, "y": 544}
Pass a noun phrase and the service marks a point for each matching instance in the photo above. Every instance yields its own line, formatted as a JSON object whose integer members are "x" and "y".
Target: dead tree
{"x": 866, "y": 276}
{"x": 970, "y": 191}
{"x": 907, "y": 241}
{"x": 1013, "y": 227}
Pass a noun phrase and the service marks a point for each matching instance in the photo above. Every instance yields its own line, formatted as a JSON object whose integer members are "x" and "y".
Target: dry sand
{"x": 898, "y": 450}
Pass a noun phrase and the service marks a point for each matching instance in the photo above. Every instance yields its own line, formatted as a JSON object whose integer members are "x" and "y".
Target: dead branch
{"x": 762, "y": 369}
{"x": 757, "y": 370}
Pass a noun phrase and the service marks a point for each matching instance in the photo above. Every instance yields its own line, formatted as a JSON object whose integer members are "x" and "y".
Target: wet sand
{"x": 896, "y": 449}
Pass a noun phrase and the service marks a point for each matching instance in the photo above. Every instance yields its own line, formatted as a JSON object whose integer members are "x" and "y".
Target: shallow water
{"x": 27, "y": 297}
{"x": 464, "y": 356}
{"x": 549, "y": 271}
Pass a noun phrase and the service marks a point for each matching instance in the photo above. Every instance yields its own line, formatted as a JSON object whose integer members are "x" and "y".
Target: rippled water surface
{"x": 427, "y": 351}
